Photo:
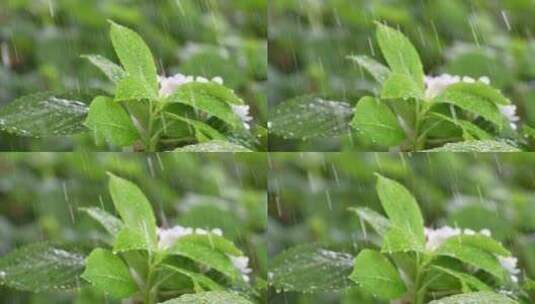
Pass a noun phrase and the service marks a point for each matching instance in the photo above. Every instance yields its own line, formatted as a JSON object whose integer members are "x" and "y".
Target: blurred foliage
{"x": 40, "y": 194}
{"x": 310, "y": 39}
{"x": 309, "y": 195}
{"x": 41, "y": 43}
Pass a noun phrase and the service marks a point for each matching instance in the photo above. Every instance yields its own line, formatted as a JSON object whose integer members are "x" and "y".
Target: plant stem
{"x": 419, "y": 290}
{"x": 148, "y": 294}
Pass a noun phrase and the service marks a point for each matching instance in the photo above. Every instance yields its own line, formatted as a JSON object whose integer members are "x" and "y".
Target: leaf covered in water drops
{"x": 42, "y": 267}
{"x": 46, "y": 114}
{"x": 210, "y": 297}
{"x": 477, "y": 146}
{"x": 483, "y": 297}
{"x": 308, "y": 117}
{"x": 311, "y": 268}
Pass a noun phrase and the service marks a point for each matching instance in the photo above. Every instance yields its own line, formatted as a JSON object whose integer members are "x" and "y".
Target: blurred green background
{"x": 41, "y": 43}
{"x": 309, "y": 194}
{"x": 41, "y": 192}
{"x": 309, "y": 40}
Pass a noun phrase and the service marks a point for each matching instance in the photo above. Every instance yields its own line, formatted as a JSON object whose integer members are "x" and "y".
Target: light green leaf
{"x": 378, "y": 222}
{"x": 45, "y": 114}
{"x": 308, "y": 117}
{"x": 113, "y": 71}
{"x": 211, "y": 98}
{"x": 109, "y": 119}
{"x": 41, "y": 267}
{"x": 214, "y": 146}
{"x": 134, "y": 209}
{"x": 310, "y": 268}
{"x": 399, "y": 86}
{"x": 406, "y": 220}
{"x": 130, "y": 88}
{"x": 465, "y": 278}
{"x": 206, "y": 255}
{"x": 377, "y": 275}
{"x": 374, "y": 120}
{"x": 210, "y": 297}
{"x": 112, "y": 224}
{"x": 129, "y": 239}
{"x": 109, "y": 273}
{"x": 197, "y": 279}
{"x": 477, "y": 146}
{"x": 483, "y": 297}
{"x": 401, "y": 55}
{"x": 376, "y": 69}
{"x": 476, "y": 98}
{"x": 136, "y": 58}
{"x": 473, "y": 256}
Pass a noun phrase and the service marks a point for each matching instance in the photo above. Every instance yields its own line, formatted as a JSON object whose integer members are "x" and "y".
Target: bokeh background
{"x": 309, "y": 40}
{"x": 41, "y": 42}
{"x": 40, "y": 194}
{"x": 309, "y": 194}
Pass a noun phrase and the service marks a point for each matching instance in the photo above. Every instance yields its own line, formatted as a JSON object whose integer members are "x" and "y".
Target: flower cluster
{"x": 436, "y": 237}
{"x": 168, "y": 237}
{"x": 436, "y": 85}
{"x": 168, "y": 85}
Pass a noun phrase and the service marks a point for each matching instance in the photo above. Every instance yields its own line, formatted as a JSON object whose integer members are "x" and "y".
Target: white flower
{"x": 242, "y": 264}
{"x": 168, "y": 85}
{"x": 509, "y": 111}
{"x": 167, "y": 237}
{"x": 242, "y": 111}
{"x": 509, "y": 264}
{"x": 435, "y": 237}
{"x": 436, "y": 85}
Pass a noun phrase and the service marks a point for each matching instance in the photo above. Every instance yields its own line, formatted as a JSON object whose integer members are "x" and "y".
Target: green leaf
{"x": 465, "y": 278}
{"x": 214, "y": 146}
{"x": 41, "y": 267}
{"x": 211, "y": 98}
{"x": 113, "y": 71}
{"x": 206, "y": 255}
{"x": 210, "y": 297}
{"x": 473, "y": 256}
{"x": 134, "y": 209}
{"x": 197, "y": 279}
{"x": 476, "y": 146}
{"x": 200, "y": 127}
{"x": 112, "y": 224}
{"x": 129, "y": 239}
{"x": 469, "y": 129}
{"x": 45, "y": 114}
{"x": 109, "y": 119}
{"x": 483, "y": 297}
{"x": 377, "y": 275}
{"x": 309, "y": 117}
{"x": 310, "y": 268}
{"x": 401, "y": 55}
{"x": 213, "y": 241}
{"x": 480, "y": 241}
{"x": 406, "y": 220}
{"x": 399, "y": 86}
{"x": 378, "y": 222}
{"x": 476, "y": 98}
{"x": 375, "y": 121}
{"x": 136, "y": 58}
{"x": 376, "y": 69}
{"x": 109, "y": 273}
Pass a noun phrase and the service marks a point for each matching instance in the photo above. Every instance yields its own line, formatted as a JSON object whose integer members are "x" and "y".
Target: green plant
{"x": 407, "y": 262}
{"x": 146, "y": 113}
{"x": 410, "y": 111}
{"x": 138, "y": 261}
